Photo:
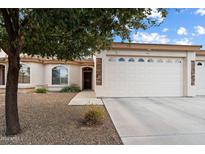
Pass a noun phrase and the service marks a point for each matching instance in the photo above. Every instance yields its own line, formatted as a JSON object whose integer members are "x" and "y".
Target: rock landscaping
{"x": 48, "y": 119}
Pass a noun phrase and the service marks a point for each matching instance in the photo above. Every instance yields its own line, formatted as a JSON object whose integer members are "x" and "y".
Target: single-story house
{"x": 126, "y": 70}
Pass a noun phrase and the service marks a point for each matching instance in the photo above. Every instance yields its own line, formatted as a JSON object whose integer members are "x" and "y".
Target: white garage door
{"x": 200, "y": 78}
{"x": 143, "y": 77}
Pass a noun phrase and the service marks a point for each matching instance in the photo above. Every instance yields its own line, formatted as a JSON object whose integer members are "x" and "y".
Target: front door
{"x": 87, "y": 76}
{"x": 2, "y": 75}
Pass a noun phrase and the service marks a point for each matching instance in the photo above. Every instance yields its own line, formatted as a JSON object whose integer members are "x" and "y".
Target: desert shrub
{"x": 72, "y": 88}
{"x": 41, "y": 90}
{"x": 94, "y": 115}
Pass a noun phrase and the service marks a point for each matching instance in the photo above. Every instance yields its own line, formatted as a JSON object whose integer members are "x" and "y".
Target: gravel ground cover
{"x": 48, "y": 119}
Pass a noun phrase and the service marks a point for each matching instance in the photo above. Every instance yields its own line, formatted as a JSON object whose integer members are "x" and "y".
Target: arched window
{"x": 131, "y": 60}
{"x": 199, "y": 64}
{"x": 59, "y": 75}
{"x": 150, "y": 60}
{"x": 24, "y": 74}
{"x": 141, "y": 60}
{"x": 121, "y": 59}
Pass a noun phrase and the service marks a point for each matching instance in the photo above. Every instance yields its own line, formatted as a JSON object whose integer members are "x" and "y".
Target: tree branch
{"x": 25, "y": 21}
{"x": 15, "y": 20}
{"x": 8, "y": 23}
{"x": 11, "y": 20}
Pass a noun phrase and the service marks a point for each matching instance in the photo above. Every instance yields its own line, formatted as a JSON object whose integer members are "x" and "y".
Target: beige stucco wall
{"x": 36, "y": 75}
{"x": 41, "y": 75}
{"x": 188, "y": 90}
{"x": 2, "y": 53}
{"x": 145, "y": 53}
{"x": 48, "y": 77}
{"x": 200, "y": 75}
{"x": 200, "y": 58}
{"x": 75, "y": 75}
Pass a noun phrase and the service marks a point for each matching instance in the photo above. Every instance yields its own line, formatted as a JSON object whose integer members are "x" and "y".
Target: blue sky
{"x": 183, "y": 26}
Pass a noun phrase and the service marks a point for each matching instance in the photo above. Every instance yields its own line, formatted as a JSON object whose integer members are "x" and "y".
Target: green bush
{"x": 95, "y": 115}
{"x": 72, "y": 88}
{"x": 41, "y": 90}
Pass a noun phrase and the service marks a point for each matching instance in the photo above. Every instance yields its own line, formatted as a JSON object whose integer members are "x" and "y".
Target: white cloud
{"x": 184, "y": 41}
{"x": 165, "y": 29}
{"x": 155, "y": 15}
{"x": 193, "y": 34}
{"x": 199, "y": 30}
{"x": 201, "y": 11}
{"x": 182, "y": 31}
{"x": 142, "y": 37}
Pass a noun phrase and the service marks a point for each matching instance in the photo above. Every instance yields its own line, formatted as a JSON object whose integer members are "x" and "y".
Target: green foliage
{"x": 41, "y": 90}
{"x": 72, "y": 88}
{"x": 72, "y": 33}
{"x": 94, "y": 115}
{"x": 65, "y": 34}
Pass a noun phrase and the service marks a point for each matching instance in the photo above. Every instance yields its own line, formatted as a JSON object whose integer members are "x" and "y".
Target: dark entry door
{"x": 88, "y": 80}
{"x": 2, "y": 75}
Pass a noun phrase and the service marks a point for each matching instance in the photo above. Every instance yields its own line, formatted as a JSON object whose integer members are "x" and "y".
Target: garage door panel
{"x": 139, "y": 79}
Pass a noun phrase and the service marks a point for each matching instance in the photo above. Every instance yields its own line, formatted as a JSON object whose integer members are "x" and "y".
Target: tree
{"x": 62, "y": 33}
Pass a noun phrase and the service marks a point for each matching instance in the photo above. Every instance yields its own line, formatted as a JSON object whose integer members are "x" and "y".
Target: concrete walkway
{"x": 158, "y": 120}
{"x": 86, "y": 98}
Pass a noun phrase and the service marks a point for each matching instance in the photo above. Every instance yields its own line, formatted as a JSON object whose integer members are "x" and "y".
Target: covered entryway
{"x": 200, "y": 77}
{"x": 2, "y": 75}
{"x": 87, "y": 78}
{"x": 143, "y": 77}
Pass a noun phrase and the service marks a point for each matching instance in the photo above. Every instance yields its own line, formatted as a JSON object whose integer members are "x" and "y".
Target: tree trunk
{"x": 11, "y": 107}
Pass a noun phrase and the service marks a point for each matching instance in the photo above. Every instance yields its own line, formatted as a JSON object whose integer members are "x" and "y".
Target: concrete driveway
{"x": 158, "y": 120}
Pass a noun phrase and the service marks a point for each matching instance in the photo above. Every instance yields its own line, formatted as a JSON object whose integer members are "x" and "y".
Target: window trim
{"x": 150, "y": 60}
{"x": 131, "y": 60}
{"x": 141, "y": 60}
{"x": 121, "y": 59}
{"x": 60, "y": 77}
{"x": 23, "y": 78}
{"x": 200, "y": 64}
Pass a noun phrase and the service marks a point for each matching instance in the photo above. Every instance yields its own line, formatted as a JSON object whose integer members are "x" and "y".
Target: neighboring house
{"x": 126, "y": 70}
